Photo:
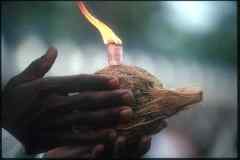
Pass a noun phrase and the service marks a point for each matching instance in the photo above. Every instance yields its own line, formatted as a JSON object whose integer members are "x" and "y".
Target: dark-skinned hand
{"x": 98, "y": 151}
{"x": 121, "y": 148}
{"x": 76, "y": 151}
{"x": 40, "y": 111}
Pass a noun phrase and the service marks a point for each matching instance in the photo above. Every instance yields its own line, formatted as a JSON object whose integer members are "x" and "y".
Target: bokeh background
{"x": 183, "y": 43}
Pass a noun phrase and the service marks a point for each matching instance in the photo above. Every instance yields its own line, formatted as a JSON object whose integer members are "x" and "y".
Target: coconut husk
{"x": 153, "y": 102}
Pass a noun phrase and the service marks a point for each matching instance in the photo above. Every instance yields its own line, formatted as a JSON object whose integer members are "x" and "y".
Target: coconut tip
{"x": 195, "y": 92}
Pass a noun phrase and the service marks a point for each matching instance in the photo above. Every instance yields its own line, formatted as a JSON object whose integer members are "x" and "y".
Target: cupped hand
{"x": 121, "y": 148}
{"x": 126, "y": 148}
{"x": 76, "y": 151}
{"x": 41, "y": 112}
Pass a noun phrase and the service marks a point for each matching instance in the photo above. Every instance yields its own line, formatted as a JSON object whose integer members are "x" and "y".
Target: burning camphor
{"x": 153, "y": 102}
{"x": 110, "y": 39}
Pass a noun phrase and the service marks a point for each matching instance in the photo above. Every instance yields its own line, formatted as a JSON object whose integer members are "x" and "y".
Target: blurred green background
{"x": 181, "y": 42}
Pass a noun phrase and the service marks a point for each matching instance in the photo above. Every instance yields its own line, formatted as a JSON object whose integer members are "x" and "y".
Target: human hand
{"x": 88, "y": 152}
{"x": 121, "y": 148}
{"x": 40, "y": 113}
{"x": 125, "y": 148}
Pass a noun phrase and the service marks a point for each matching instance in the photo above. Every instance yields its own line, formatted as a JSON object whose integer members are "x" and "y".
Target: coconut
{"x": 153, "y": 102}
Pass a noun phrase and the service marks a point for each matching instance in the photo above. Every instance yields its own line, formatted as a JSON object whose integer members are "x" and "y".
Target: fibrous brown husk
{"x": 153, "y": 103}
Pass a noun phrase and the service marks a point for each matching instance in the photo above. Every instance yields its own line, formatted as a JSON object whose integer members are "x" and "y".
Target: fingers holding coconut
{"x": 120, "y": 147}
{"x": 100, "y": 118}
{"x": 91, "y": 119}
{"x": 86, "y": 138}
{"x": 89, "y": 100}
{"x": 68, "y": 152}
{"x": 76, "y": 152}
{"x": 68, "y": 137}
{"x": 78, "y": 83}
{"x": 153, "y": 101}
{"x": 142, "y": 147}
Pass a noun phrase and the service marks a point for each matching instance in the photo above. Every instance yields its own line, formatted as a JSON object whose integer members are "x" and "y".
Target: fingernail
{"x": 50, "y": 52}
{"x": 114, "y": 82}
{"x": 127, "y": 96}
{"x": 126, "y": 114}
{"x": 49, "y": 57}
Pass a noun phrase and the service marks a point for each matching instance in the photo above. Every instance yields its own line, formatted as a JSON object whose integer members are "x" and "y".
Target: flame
{"x": 107, "y": 34}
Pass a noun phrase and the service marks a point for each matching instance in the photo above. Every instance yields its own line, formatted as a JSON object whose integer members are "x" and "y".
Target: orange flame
{"x": 107, "y": 34}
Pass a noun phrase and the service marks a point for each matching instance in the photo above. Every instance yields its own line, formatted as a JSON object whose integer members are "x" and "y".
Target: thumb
{"x": 35, "y": 70}
{"x": 39, "y": 67}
